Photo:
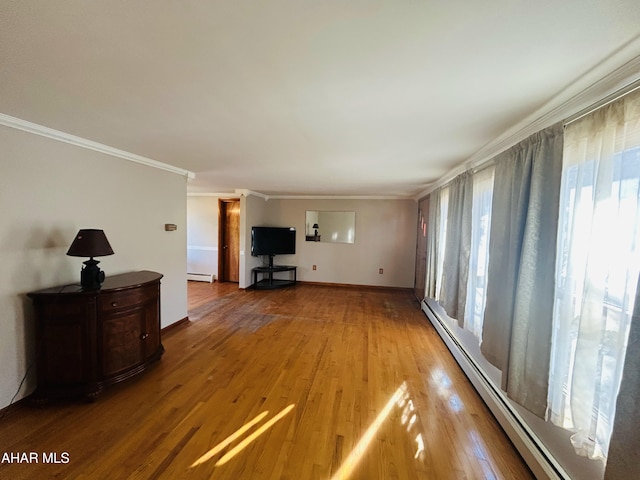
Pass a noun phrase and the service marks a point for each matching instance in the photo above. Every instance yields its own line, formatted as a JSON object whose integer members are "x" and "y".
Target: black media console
{"x": 270, "y": 282}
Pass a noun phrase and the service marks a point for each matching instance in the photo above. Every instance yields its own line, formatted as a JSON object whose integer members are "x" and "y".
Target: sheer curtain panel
{"x": 433, "y": 229}
{"x": 517, "y": 327}
{"x": 420, "y": 282}
{"x": 479, "y": 254}
{"x": 597, "y": 271}
{"x": 441, "y": 245}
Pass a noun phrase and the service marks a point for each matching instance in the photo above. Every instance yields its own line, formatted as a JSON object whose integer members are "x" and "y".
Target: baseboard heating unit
{"x": 535, "y": 454}
{"x": 201, "y": 277}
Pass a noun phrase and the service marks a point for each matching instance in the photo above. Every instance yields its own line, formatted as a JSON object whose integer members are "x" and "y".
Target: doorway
{"x": 229, "y": 240}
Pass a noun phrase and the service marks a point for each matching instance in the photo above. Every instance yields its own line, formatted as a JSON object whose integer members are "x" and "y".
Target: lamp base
{"x": 91, "y": 277}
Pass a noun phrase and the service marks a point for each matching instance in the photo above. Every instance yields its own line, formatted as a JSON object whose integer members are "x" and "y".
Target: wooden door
{"x": 229, "y": 240}
{"x": 421, "y": 249}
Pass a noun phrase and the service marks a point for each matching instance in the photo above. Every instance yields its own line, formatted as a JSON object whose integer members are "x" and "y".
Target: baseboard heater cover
{"x": 201, "y": 277}
{"x": 532, "y": 450}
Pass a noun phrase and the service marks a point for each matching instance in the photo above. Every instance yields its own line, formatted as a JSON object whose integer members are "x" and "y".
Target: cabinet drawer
{"x": 126, "y": 298}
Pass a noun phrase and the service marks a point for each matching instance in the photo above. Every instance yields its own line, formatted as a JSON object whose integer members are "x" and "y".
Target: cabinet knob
{"x": 114, "y": 304}
{"x": 144, "y": 336}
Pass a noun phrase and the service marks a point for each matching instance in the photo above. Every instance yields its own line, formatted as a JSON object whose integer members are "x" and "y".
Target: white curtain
{"x": 433, "y": 230}
{"x": 443, "y": 195}
{"x": 597, "y": 268}
{"x": 479, "y": 254}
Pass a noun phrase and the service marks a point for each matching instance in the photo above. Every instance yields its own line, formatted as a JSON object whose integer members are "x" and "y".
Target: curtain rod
{"x": 632, "y": 87}
{"x": 484, "y": 165}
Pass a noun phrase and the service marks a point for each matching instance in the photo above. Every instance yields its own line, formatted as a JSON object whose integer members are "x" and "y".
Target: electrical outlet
{"x": 380, "y": 271}
{"x": 314, "y": 267}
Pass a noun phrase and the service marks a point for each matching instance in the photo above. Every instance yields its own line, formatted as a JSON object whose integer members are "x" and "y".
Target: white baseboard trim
{"x": 535, "y": 454}
{"x": 201, "y": 277}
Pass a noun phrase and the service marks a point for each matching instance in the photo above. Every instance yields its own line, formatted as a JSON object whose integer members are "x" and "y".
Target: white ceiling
{"x": 331, "y": 97}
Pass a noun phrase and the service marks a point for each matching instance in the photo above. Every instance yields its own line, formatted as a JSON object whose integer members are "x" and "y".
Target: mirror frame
{"x": 339, "y": 226}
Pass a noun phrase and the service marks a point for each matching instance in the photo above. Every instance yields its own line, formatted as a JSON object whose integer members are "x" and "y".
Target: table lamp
{"x": 90, "y": 243}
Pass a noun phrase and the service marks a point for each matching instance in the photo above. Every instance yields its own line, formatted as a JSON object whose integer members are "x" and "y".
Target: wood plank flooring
{"x": 309, "y": 382}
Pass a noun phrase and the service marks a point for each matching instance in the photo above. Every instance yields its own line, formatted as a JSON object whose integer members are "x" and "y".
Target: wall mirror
{"x": 330, "y": 227}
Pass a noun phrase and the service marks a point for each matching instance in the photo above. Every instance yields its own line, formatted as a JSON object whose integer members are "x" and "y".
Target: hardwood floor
{"x": 309, "y": 382}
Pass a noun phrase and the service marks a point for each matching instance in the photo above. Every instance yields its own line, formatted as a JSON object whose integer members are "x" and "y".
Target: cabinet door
{"x": 121, "y": 341}
{"x": 65, "y": 329}
{"x": 151, "y": 326}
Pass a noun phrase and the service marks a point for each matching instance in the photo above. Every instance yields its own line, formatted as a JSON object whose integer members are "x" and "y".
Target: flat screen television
{"x": 273, "y": 241}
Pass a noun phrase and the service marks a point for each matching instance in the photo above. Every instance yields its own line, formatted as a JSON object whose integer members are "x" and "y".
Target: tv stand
{"x": 270, "y": 282}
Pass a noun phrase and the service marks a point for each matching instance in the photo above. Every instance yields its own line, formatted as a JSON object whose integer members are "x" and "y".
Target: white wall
{"x": 252, "y": 212}
{"x": 202, "y": 234}
{"x": 48, "y": 191}
{"x": 385, "y": 237}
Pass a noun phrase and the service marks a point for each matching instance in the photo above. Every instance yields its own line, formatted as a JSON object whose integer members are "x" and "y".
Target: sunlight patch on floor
{"x": 238, "y": 433}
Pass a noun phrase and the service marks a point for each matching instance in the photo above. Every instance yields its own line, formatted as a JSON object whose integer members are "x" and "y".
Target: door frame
{"x": 222, "y": 225}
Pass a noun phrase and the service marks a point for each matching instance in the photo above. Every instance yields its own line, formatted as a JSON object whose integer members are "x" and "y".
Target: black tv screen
{"x": 273, "y": 241}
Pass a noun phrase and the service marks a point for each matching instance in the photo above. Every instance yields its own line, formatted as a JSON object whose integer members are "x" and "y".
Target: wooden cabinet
{"x": 86, "y": 340}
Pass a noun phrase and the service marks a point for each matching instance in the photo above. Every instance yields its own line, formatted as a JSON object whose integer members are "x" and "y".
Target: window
{"x": 442, "y": 240}
{"x": 479, "y": 255}
{"x": 597, "y": 269}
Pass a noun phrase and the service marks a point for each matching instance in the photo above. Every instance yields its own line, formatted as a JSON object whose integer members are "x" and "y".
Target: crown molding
{"x": 616, "y": 75}
{"x": 245, "y": 193}
{"x": 30, "y": 127}
{"x": 339, "y": 197}
{"x": 212, "y": 194}
{"x": 266, "y": 197}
